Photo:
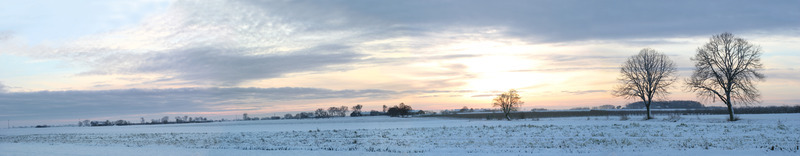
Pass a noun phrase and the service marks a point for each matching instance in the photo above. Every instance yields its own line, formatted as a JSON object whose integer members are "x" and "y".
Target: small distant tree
{"x": 333, "y": 111}
{"x": 356, "y": 110}
{"x": 384, "y": 108}
{"x": 343, "y": 111}
{"x": 465, "y": 109}
{"x": 401, "y": 110}
{"x": 142, "y": 122}
{"x": 726, "y": 69}
{"x": 321, "y": 113}
{"x": 508, "y": 101}
{"x": 121, "y": 122}
{"x": 645, "y": 76}
{"x": 165, "y": 119}
{"x": 393, "y": 112}
{"x": 304, "y": 115}
{"x": 374, "y": 113}
{"x": 287, "y": 116}
{"x": 404, "y": 109}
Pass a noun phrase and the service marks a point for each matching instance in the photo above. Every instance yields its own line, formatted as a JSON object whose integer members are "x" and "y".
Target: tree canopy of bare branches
{"x": 508, "y": 101}
{"x": 645, "y": 76}
{"x": 725, "y": 69}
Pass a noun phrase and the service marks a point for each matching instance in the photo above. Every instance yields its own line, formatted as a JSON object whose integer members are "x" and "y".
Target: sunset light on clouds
{"x": 64, "y": 61}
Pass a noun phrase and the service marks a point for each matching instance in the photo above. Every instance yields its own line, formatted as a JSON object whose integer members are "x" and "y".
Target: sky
{"x": 65, "y": 61}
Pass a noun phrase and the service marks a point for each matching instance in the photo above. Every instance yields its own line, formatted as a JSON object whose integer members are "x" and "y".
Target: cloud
{"x": 229, "y": 42}
{"x": 484, "y": 95}
{"x": 85, "y": 104}
{"x": 580, "y": 92}
{"x": 555, "y": 21}
{"x": 3, "y": 88}
{"x": 5, "y": 35}
{"x": 221, "y": 43}
{"x": 566, "y": 69}
{"x": 214, "y": 66}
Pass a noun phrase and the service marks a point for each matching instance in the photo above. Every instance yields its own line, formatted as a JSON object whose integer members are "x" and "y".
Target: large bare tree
{"x": 725, "y": 69}
{"x": 508, "y": 101}
{"x": 645, "y": 76}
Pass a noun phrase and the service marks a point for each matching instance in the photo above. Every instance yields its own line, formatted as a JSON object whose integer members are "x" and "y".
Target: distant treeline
{"x": 702, "y": 111}
{"x": 163, "y": 120}
{"x": 400, "y": 110}
{"x": 678, "y": 104}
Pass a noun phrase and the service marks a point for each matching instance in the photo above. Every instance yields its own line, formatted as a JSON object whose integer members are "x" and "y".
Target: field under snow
{"x": 763, "y": 134}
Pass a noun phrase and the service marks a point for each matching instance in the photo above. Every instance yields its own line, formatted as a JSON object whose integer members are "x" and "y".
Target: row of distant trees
{"x": 677, "y": 104}
{"x": 400, "y": 110}
{"x": 163, "y": 120}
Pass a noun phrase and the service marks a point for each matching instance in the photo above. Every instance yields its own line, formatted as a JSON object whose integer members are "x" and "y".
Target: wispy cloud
{"x": 580, "y": 20}
{"x": 3, "y": 88}
{"x": 580, "y": 92}
{"x": 484, "y": 95}
{"x": 226, "y": 66}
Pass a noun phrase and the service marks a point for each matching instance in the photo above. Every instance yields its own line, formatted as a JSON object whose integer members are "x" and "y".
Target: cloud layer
{"x": 85, "y": 104}
{"x": 209, "y": 65}
{"x": 230, "y": 42}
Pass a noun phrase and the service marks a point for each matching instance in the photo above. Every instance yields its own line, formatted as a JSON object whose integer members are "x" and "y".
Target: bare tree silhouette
{"x": 725, "y": 69}
{"x": 508, "y": 101}
{"x": 646, "y": 75}
{"x": 356, "y": 110}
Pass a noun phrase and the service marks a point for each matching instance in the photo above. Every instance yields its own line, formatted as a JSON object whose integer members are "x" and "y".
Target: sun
{"x": 500, "y": 73}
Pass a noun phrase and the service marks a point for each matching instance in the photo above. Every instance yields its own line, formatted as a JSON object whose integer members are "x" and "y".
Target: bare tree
{"x": 343, "y": 111}
{"x": 401, "y": 110}
{"x": 725, "y": 69}
{"x": 508, "y": 101}
{"x": 356, "y": 110}
{"x": 646, "y": 75}
{"x": 321, "y": 113}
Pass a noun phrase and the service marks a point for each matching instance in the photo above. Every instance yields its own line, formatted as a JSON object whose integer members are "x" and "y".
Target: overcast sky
{"x": 64, "y": 61}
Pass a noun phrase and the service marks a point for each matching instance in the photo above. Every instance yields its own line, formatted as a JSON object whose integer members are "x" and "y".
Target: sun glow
{"x": 499, "y": 73}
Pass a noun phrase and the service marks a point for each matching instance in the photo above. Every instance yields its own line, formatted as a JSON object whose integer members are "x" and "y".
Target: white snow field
{"x": 762, "y": 134}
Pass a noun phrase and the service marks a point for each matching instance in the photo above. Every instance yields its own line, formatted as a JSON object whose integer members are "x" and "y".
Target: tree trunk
{"x": 507, "y": 116}
{"x": 647, "y": 105}
{"x": 730, "y": 112}
{"x": 730, "y": 106}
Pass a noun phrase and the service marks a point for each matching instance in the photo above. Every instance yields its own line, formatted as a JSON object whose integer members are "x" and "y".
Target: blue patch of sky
{"x": 52, "y": 22}
{"x": 19, "y": 66}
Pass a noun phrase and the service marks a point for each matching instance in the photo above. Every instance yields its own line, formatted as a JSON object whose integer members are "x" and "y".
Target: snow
{"x": 755, "y": 134}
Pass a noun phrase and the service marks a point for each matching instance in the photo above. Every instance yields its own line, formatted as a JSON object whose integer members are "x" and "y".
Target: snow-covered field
{"x": 763, "y": 134}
